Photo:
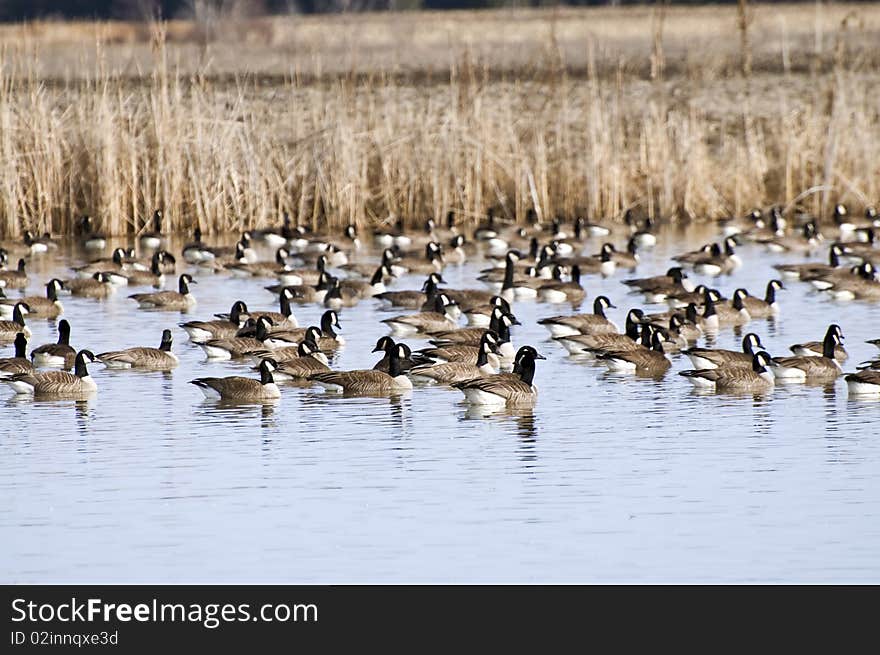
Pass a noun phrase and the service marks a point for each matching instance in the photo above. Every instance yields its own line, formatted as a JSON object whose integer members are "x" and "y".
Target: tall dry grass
{"x": 662, "y": 121}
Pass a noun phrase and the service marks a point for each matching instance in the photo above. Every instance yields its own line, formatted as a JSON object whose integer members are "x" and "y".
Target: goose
{"x": 595, "y": 323}
{"x": 509, "y": 389}
{"x": 675, "y": 336}
{"x": 115, "y": 264}
{"x": 481, "y": 315}
{"x": 827, "y": 280}
{"x": 841, "y": 218}
{"x": 629, "y": 259}
{"x": 244, "y": 268}
{"x": 578, "y": 344}
{"x": 287, "y": 353}
{"x": 56, "y": 355}
{"x": 20, "y": 363}
{"x": 645, "y": 361}
{"x": 706, "y": 358}
{"x": 431, "y": 262}
{"x": 366, "y": 270}
{"x": 57, "y": 383}
{"x": 180, "y": 300}
{"x": 802, "y": 368}
{"x": 766, "y": 308}
{"x": 717, "y": 315}
{"x": 718, "y": 261}
{"x": 465, "y": 352}
{"x": 439, "y": 320}
{"x": 733, "y": 226}
{"x": 806, "y": 243}
{"x": 305, "y": 293}
{"x": 91, "y": 240}
{"x": 9, "y": 329}
{"x": 241, "y": 389}
{"x": 367, "y": 382}
{"x": 358, "y": 289}
{"x": 657, "y": 288}
{"x": 595, "y": 230}
{"x": 407, "y": 360}
{"x": 449, "y": 372}
{"x": 817, "y": 348}
{"x": 152, "y": 359}
{"x": 812, "y": 269}
{"x": 39, "y": 245}
{"x": 863, "y": 383}
{"x": 336, "y": 244}
{"x": 238, "y": 346}
{"x": 275, "y": 238}
{"x": 153, "y": 239}
{"x": 411, "y": 299}
{"x": 455, "y": 253}
{"x": 223, "y": 328}
{"x": 874, "y": 342}
{"x": 864, "y": 285}
{"x": 771, "y": 228}
{"x": 280, "y": 320}
{"x": 391, "y": 237}
{"x": 646, "y": 237}
{"x": 98, "y": 286}
{"x": 197, "y": 251}
{"x": 292, "y": 277}
{"x": 500, "y": 324}
{"x": 860, "y": 251}
{"x": 325, "y": 337}
{"x": 571, "y": 291}
{"x": 602, "y": 264}
{"x": 47, "y": 306}
{"x": 154, "y": 277}
{"x": 310, "y": 360}
{"x": 15, "y": 279}
{"x": 755, "y": 379}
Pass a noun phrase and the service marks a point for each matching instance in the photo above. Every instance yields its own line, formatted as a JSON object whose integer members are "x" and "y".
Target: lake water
{"x": 609, "y": 478}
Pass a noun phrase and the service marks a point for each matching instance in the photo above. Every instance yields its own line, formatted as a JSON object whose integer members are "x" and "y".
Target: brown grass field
{"x": 358, "y": 118}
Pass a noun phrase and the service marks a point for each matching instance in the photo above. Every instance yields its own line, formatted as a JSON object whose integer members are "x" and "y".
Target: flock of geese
{"x": 544, "y": 262}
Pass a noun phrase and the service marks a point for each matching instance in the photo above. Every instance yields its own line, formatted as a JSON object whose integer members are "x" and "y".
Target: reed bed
{"x": 660, "y": 114}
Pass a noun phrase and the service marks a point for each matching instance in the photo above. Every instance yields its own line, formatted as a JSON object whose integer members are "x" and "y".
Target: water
{"x": 609, "y": 478}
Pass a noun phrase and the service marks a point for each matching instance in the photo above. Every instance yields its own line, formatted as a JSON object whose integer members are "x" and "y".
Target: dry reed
{"x": 662, "y": 120}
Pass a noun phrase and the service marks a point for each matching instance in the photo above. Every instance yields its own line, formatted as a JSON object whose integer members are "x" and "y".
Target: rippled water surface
{"x": 608, "y": 478}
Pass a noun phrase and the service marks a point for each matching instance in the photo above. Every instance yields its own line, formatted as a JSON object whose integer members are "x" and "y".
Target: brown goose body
{"x": 20, "y": 363}
{"x": 152, "y": 359}
{"x": 180, "y": 300}
{"x": 57, "y": 383}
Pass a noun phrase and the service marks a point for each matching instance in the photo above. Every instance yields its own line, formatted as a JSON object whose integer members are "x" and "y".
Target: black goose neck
{"x": 527, "y": 369}
{"x": 80, "y": 369}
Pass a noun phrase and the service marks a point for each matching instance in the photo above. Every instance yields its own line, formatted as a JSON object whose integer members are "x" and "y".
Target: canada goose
{"x": 499, "y": 324}
{"x": 595, "y": 323}
{"x": 201, "y": 331}
{"x": 806, "y": 243}
{"x": 505, "y": 388}
{"x": 431, "y": 262}
{"x": 481, "y": 315}
{"x": 310, "y": 360}
{"x": 874, "y": 342}
{"x": 602, "y": 264}
{"x": 739, "y": 225}
{"x": 241, "y": 389}
{"x": 305, "y": 293}
{"x": 153, "y": 359}
{"x": 57, "y": 383}
{"x": 771, "y": 227}
{"x": 153, "y": 239}
{"x": 292, "y": 277}
{"x": 645, "y": 361}
{"x": 629, "y": 259}
{"x": 245, "y": 269}
{"x": 863, "y": 285}
{"x": 578, "y": 344}
{"x": 802, "y": 368}
{"x": 706, "y": 358}
{"x": 470, "y": 299}
{"x": 358, "y": 289}
{"x": 56, "y": 355}
{"x": 645, "y": 236}
{"x": 98, "y": 286}
{"x": 47, "y": 306}
{"x": 116, "y": 263}
{"x": 39, "y": 245}
{"x": 20, "y": 363}
{"x": 9, "y": 329}
{"x": 455, "y": 253}
{"x": 766, "y": 308}
{"x": 449, "y": 372}
{"x": 16, "y": 279}
{"x": 717, "y": 315}
{"x": 367, "y": 382}
{"x": 817, "y": 348}
{"x": 439, "y": 320}
{"x": 571, "y": 291}
{"x": 727, "y": 378}
{"x": 275, "y": 238}
{"x": 842, "y": 219}
{"x": 411, "y": 299}
{"x": 718, "y": 261}
{"x": 238, "y": 346}
{"x": 325, "y": 337}
{"x": 863, "y": 383}
{"x": 465, "y": 352}
{"x": 407, "y": 358}
{"x": 91, "y": 240}
{"x": 657, "y": 288}
{"x": 180, "y": 300}
{"x": 827, "y": 280}
{"x": 155, "y": 277}
{"x": 335, "y": 243}
{"x": 812, "y": 269}
{"x": 281, "y": 320}
{"x": 197, "y": 251}
{"x": 287, "y": 353}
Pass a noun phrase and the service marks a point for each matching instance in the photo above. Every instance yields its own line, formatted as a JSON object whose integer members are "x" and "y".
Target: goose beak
{"x": 514, "y": 320}
{"x": 539, "y": 356}
{"x": 612, "y": 306}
